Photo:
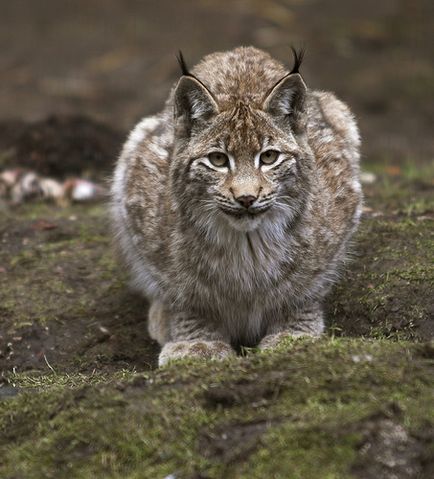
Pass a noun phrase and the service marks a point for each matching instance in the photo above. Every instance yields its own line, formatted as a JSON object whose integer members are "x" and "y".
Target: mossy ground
{"x": 304, "y": 411}
{"x": 81, "y": 399}
{"x": 386, "y": 290}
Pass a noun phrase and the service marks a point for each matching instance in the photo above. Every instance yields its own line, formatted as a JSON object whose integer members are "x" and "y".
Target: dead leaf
{"x": 43, "y": 225}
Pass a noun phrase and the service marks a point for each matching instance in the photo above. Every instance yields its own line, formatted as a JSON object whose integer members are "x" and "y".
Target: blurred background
{"x": 114, "y": 60}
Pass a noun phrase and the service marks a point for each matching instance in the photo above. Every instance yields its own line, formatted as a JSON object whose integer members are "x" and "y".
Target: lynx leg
{"x": 158, "y": 323}
{"x": 184, "y": 335}
{"x": 306, "y": 322}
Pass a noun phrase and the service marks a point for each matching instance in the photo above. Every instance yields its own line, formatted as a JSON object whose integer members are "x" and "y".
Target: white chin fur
{"x": 244, "y": 223}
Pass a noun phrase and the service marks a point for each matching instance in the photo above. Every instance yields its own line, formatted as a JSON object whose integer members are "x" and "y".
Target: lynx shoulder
{"x": 234, "y": 206}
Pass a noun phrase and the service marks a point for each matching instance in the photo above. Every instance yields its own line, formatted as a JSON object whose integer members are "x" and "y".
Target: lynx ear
{"x": 194, "y": 104}
{"x": 286, "y": 99}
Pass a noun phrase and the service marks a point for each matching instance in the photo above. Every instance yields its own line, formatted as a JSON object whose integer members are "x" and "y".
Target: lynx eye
{"x": 218, "y": 159}
{"x": 269, "y": 157}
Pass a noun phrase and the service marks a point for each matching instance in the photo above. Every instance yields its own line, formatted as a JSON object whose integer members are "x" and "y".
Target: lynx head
{"x": 244, "y": 164}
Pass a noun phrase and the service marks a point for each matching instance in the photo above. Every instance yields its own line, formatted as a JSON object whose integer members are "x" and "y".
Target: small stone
{"x": 104, "y": 330}
{"x": 362, "y": 358}
{"x": 368, "y": 178}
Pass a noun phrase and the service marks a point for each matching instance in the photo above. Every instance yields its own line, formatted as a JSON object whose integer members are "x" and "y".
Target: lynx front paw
{"x": 194, "y": 349}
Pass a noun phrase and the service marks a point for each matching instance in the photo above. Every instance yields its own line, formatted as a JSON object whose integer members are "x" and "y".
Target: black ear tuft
{"x": 298, "y": 59}
{"x": 182, "y": 64}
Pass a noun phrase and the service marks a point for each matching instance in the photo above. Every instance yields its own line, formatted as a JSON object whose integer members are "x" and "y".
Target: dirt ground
{"x": 75, "y": 76}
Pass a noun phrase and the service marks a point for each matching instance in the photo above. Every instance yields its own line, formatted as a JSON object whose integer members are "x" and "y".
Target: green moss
{"x": 40, "y": 381}
{"x": 306, "y": 400}
{"x": 386, "y": 292}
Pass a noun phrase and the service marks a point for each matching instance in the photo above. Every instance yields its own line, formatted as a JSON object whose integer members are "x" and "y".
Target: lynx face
{"x": 247, "y": 172}
{"x": 240, "y": 166}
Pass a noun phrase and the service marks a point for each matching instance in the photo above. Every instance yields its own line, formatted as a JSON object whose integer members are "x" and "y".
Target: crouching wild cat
{"x": 233, "y": 207}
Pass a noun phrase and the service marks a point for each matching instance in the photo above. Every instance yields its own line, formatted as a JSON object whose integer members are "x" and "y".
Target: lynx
{"x": 234, "y": 206}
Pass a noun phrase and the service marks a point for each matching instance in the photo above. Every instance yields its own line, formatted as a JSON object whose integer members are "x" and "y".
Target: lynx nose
{"x": 246, "y": 200}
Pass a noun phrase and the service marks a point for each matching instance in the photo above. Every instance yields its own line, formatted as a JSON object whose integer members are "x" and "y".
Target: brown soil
{"x": 60, "y": 146}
